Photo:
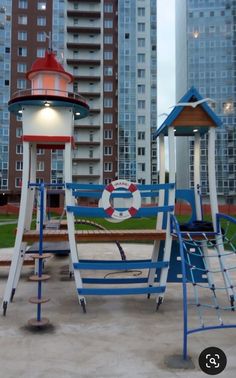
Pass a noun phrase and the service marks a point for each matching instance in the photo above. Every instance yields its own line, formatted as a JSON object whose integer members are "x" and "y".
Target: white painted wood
{"x": 171, "y": 201}
{"x": 197, "y": 181}
{"x": 69, "y": 200}
{"x": 214, "y": 209}
{"x": 19, "y": 247}
{"x": 159, "y": 222}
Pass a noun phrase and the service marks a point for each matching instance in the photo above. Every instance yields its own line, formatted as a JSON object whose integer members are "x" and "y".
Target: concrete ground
{"x": 117, "y": 337}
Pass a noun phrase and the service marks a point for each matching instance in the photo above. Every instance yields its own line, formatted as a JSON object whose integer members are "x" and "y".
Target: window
{"x": 42, "y": 5}
{"x": 22, "y": 36}
{"x": 108, "y": 55}
{"x": 141, "y": 120}
{"x": 141, "y": 167}
{"x": 107, "y": 134}
{"x": 108, "y": 71}
{"x": 108, "y": 24}
{"x": 22, "y": 20}
{"x": 41, "y": 37}
{"x": 141, "y": 104}
{"x": 22, "y": 51}
{"x": 19, "y": 165}
{"x": 108, "y": 8}
{"x": 40, "y": 52}
{"x": 41, "y": 21}
{"x": 108, "y": 118}
{"x": 141, "y": 151}
{"x": 108, "y": 87}
{"x": 141, "y": 73}
{"x": 108, "y": 150}
{"x": 21, "y": 84}
{"x": 40, "y": 151}
{"x": 19, "y": 149}
{"x": 40, "y": 166}
{"x": 108, "y": 39}
{"x": 108, "y": 102}
{"x": 108, "y": 167}
{"x": 18, "y": 182}
{"x": 23, "y": 4}
{"x": 141, "y": 11}
{"x": 91, "y": 170}
{"x": 141, "y": 42}
{"x": 21, "y": 67}
{"x": 19, "y": 132}
{"x": 141, "y": 26}
{"x": 141, "y": 135}
{"x": 141, "y": 88}
{"x": 141, "y": 58}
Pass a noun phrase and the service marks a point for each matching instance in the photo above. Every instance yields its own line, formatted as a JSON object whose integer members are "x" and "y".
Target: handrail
{"x": 47, "y": 92}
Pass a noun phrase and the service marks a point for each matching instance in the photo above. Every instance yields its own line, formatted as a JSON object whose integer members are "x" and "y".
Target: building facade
{"x": 137, "y": 72}
{"x": 211, "y": 68}
{"x": 109, "y": 46}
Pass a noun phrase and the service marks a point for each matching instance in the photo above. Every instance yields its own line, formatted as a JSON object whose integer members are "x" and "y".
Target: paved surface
{"x": 118, "y": 337}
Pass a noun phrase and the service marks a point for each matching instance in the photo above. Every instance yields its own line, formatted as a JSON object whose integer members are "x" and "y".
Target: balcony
{"x": 85, "y": 160}
{"x": 87, "y": 127}
{"x": 87, "y": 78}
{"x": 87, "y": 143}
{"x": 83, "y": 13}
{"x": 83, "y": 29}
{"x": 80, "y": 46}
{"x": 86, "y": 62}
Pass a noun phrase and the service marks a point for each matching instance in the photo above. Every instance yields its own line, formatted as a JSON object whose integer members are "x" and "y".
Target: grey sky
{"x": 166, "y": 56}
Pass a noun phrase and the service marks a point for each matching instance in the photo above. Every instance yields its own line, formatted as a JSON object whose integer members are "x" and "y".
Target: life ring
{"x": 126, "y": 214}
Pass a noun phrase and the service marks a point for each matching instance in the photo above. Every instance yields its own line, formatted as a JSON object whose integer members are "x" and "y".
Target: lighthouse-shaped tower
{"x": 48, "y": 111}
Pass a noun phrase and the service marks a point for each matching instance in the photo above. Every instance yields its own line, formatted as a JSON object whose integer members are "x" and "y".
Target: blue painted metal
{"x": 78, "y": 186}
{"x": 192, "y": 279}
{"x": 40, "y": 261}
{"x": 119, "y": 265}
{"x": 187, "y": 131}
{"x": 220, "y": 216}
{"x": 113, "y": 281}
{"x": 85, "y": 211}
{"x": 121, "y": 291}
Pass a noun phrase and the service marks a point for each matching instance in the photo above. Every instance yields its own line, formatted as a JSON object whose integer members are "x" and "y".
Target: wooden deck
{"x": 50, "y": 235}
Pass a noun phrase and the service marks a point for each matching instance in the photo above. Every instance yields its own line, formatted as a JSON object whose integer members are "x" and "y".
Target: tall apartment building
{"x": 137, "y": 85}
{"x": 91, "y": 56}
{"x": 5, "y": 64}
{"x": 209, "y": 50}
{"x": 109, "y": 46}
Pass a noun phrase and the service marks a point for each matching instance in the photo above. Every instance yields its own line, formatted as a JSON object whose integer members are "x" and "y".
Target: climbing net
{"x": 208, "y": 261}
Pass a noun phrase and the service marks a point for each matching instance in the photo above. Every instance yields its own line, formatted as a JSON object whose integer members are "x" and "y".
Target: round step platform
{"x": 38, "y": 323}
{"x": 43, "y": 256}
{"x": 36, "y": 300}
{"x": 43, "y": 277}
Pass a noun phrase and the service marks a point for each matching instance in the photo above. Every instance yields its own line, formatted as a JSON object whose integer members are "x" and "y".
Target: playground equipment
{"x": 51, "y": 108}
{"x": 205, "y": 249}
{"x": 180, "y": 254}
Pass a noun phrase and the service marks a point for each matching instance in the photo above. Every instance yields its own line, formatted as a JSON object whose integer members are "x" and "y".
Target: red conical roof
{"x": 48, "y": 63}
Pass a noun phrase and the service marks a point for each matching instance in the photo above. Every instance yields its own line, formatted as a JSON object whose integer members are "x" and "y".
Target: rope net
{"x": 213, "y": 255}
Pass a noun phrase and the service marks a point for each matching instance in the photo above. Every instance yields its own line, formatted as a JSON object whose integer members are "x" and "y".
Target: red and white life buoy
{"x": 126, "y": 214}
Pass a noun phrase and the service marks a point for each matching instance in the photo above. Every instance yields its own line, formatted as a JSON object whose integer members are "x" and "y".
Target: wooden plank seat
{"x": 5, "y": 260}
{"x": 96, "y": 235}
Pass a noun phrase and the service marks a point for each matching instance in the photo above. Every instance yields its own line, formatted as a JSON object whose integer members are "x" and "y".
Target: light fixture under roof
{"x": 195, "y": 130}
{"x": 46, "y": 104}
{"x": 20, "y": 111}
{"x": 77, "y": 113}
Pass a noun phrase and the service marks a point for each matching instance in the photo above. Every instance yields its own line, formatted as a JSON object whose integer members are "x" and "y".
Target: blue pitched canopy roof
{"x": 192, "y": 95}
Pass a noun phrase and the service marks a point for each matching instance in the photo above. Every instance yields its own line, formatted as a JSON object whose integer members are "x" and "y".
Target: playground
{"x": 117, "y": 337}
{"x": 124, "y": 309}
